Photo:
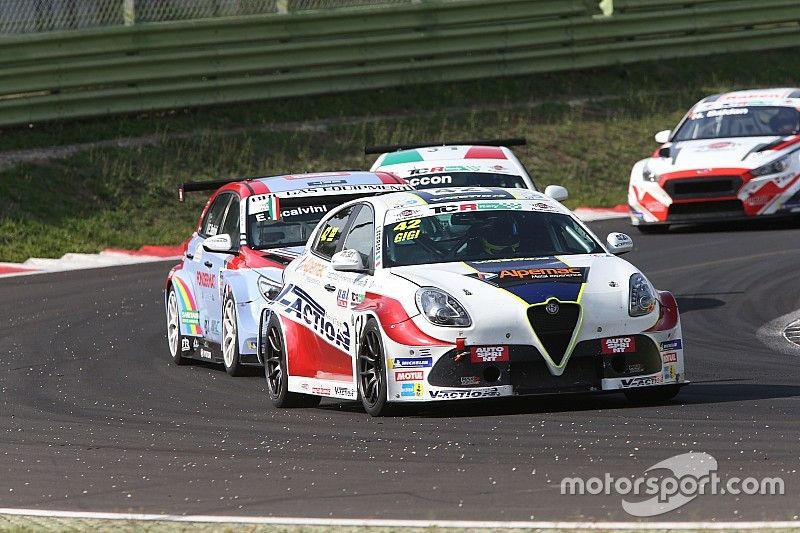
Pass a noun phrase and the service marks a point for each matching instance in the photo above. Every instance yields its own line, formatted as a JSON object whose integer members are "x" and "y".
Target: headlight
{"x": 772, "y": 168}
{"x": 441, "y": 309}
{"x": 269, "y": 289}
{"x": 642, "y": 300}
{"x": 647, "y": 175}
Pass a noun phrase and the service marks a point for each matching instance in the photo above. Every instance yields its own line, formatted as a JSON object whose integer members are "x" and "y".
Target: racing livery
{"x": 461, "y": 293}
{"x": 249, "y": 230}
{"x": 459, "y": 164}
{"x": 733, "y": 155}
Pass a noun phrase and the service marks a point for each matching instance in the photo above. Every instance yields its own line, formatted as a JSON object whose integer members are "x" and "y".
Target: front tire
{"x": 275, "y": 371}
{"x": 652, "y": 395}
{"x": 174, "y": 337}
{"x": 372, "y": 383}
{"x": 230, "y": 338}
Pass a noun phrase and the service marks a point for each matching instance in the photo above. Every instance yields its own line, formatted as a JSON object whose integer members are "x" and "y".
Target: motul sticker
{"x": 669, "y": 357}
{"x": 409, "y": 375}
{"x": 618, "y": 345}
{"x": 488, "y": 354}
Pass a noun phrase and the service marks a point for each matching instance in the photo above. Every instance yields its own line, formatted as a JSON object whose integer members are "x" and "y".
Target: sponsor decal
{"x": 195, "y": 344}
{"x": 411, "y": 362}
{"x": 250, "y": 344}
{"x": 342, "y": 297}
{"x": 642, "y": 381}
{"x": 356, "y": 298}
{"x": 207, "y": 280}
{"x": 299, "y": 304}
{"x": 488, "y": 354}
{"x": 434, "y": 170}
{"x": 669, "y": 373}
{"x": 348, "y": 392}
{"x": 264, "y": 207}
{"x": 313, "y": 268}
{"x": 190, "y": 318}
{"x": 321, "y": 391}
{"x": 669, "y": 357}
{"x": 676, "y": 344}
{"x": 325, "y": 183}
{"x": 470, "y": 380}
{"x": 297, "y": 211}
{"x": 457, "y": 394}
{"x": 635, "y": 368}
{"x": 457, "y": 194}
{"x": 408, "y": 375}
{"x": 412, "y": 389}
{"x": 185, "y": 345}
{"x": 618, "y": 345}
{"x": 205, "y": 353}
{"x": 407, "y": 230}
{"x": 304, "y": 385}
{"x": 430, "y": 180}
{"x": 214, "y": 326}
{"x": 758, "y": 200}
{"x": 348, "y": 188}
{"x": 568, "y": 273}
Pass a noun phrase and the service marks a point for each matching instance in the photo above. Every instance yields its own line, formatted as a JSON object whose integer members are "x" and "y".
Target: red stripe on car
{"x": 484, "y": 152}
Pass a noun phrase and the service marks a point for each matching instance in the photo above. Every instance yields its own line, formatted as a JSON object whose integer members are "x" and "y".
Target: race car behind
{"x": 733, "y": 156}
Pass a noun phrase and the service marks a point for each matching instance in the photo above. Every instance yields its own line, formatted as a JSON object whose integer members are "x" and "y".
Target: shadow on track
{"x": 696, "y": 393}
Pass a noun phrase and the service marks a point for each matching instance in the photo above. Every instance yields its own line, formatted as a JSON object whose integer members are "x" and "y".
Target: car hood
{"x": 528, "y": 281}
{"x": 737, "y": 152}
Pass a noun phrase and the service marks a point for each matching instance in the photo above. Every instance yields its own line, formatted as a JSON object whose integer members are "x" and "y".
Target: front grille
{"x": 555, "y": 331}
{"x": 688, "y": 189}
{"x": 701, "y": 210}
{"x": 583, "y": 373}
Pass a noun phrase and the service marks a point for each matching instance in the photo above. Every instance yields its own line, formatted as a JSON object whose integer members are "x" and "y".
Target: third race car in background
{"x": 459, "y": 164}
{"x": 733, "y": 155}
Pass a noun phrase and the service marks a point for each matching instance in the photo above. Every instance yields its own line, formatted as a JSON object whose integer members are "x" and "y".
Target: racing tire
{"x": 652, "y": 230}
{"x": 230, "y": 339}
{"x": 174, "y": 337}
{"x": 275, "y": 371}
{"x": 371, "y": 368}
{"x": 652, "y": 395}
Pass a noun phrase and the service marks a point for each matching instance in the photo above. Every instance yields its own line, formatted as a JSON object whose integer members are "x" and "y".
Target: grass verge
{"x": 585, "y": 129}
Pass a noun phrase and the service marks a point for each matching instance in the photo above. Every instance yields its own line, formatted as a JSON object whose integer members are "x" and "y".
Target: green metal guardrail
{"x": 213, "y": 61}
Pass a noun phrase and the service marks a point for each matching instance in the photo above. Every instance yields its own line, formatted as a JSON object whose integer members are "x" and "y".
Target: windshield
{"x": 484, "y": 235}
{"x": 739, "y": 122}
{"x": 466, "y": 179}
{"x": 292, "y": 229}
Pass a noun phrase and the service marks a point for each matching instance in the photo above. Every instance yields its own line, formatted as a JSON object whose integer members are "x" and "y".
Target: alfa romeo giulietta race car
{"x": 461, "y": 293}
{"x": 733, "y": 156}
{"x": 459, "y": 164}
{"x": 249, "y": 230}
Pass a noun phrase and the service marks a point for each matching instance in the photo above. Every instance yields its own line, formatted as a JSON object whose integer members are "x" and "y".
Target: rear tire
{"x": 275, "y": 371}
{"x": 230, "y": 339}
{"x": 371, "y": 367}
{"x": 647, "y": 229}
{"x": 652, "y": 395}
{"x": 174, "y": 337}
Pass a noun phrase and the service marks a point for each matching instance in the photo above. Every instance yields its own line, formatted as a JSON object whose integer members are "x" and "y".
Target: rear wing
{"x": 520, "y": 141}
{"x": 194, "y": 186}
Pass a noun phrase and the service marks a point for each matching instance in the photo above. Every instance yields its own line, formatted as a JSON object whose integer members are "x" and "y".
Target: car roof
{"x": 317, "y": 183}
{"x": 781, "y": 96}
{"x": 458, "y": 195}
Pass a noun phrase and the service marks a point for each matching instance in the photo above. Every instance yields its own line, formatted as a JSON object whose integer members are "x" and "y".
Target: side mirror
{"x": 219, "y": 243}
{"x": 556, "y": 192}
{"x": 663, "y": 136}
{"x": 348, "y": 261}
{"x": 619, "y": 243}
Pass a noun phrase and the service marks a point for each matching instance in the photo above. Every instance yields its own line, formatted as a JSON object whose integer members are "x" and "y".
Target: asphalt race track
{"x": 95, "y": 417}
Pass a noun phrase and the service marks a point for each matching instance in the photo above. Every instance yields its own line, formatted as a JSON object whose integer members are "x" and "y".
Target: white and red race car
{"x": 488, "y": 163}
{"x": 463, "y": 293}
{"x": 249, "y": 230}
{"x": 734, "y": 155}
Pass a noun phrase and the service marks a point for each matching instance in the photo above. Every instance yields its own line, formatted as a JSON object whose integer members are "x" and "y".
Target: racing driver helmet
{"x": 500, "y": 235}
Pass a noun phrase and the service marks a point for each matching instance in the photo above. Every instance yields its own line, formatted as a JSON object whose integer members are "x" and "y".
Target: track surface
{"x": 95, "y": 417}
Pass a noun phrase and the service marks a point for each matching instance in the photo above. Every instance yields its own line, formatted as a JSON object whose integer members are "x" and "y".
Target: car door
{"x": 332, "y": 336}
{"x": 207, "y": 279}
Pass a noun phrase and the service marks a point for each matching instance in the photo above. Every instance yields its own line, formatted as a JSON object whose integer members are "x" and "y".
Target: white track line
{"x": 378, "y": 522}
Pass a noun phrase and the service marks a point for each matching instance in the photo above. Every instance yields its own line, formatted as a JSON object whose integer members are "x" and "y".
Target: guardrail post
{"x": 129, "y": 12}
{"x": 607, "y": 7}
{"x": 282, "y": 7}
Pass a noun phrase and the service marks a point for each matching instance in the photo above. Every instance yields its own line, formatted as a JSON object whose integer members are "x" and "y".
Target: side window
{"x": 362, "y": 234}
{"x": 331, "y": 233}
{"x": 231, "y": 224}
{"x": 213, "y": 222}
